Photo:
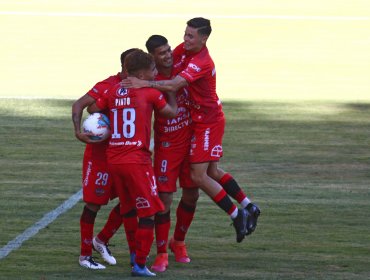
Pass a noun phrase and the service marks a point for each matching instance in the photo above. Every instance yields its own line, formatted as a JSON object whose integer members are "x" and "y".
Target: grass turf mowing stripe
{"x": 35, "y": 228}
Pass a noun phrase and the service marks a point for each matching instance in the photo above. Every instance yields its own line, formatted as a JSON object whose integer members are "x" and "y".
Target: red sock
{"x": 87, "y": 221}
{"x": 224, "y": 202}
{"x": 144, "y": 240}
{"x": 130, "y": 224}
{"x": 162, "y": 228}
{"x": 184, "y": 217}
{"x": 232, "y": 188}
{"x": 111, "y": 226}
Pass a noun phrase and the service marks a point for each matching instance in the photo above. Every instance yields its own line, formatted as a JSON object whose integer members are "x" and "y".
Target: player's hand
{"x": 85, "y": 138}
{"x": 133, "y": 82}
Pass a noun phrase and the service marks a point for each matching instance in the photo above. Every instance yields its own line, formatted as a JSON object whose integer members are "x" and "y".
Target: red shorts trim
{"x": 206, "y": 143}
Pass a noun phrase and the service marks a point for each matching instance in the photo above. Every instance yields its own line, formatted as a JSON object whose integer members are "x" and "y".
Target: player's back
{"x": 130, "y": 117}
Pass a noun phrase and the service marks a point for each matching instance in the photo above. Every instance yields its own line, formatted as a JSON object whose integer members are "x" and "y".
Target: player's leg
{"x": 162, "y": 223}
{"x": 141, "y": 189}
{"x": 130, "y": 224}
{"x": 101, "y": 241}
{"x": 215, "y": 191}
{"x": 87, "y": 221}
{"x": 233, "y": 189}
{"x": 184, "y": 216}
{"x": 96, "y": 189}
{"x": 167, "y": 163}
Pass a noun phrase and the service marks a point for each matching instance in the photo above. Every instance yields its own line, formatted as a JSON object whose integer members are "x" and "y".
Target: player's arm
{"x": 93, "y": 108}
{"x": 165, "y": 85}
{"x": 77, "y": 109}
{"x": 170, "y": 110}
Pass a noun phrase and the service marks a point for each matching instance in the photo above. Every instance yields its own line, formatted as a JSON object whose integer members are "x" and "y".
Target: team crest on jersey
{"x": 121, "y": 91}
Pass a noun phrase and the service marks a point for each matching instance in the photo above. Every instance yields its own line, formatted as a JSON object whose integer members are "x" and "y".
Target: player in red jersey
{"x": 129, "y": 157}
{"x": 96, "y": 184}
{"x": 171, "y": 162}
{"x": 197, "y": 72}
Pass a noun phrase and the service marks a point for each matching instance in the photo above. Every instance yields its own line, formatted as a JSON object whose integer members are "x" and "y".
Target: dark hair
{"x": 202, "y": 24}
{"x": 154, "y": 42}
{"x": 138, "y": 60}
{"x": 125, "y": 53}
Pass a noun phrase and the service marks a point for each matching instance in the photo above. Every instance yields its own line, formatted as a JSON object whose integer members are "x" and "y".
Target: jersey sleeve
{"x": 102, "y": 102}
{"x": 196, "y": 69}
{"x": 99, "y": 89}
{"x": 157, "y": 98}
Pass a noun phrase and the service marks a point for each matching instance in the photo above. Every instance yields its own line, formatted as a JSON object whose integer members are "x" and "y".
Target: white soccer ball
{"x": 98, "y": 125}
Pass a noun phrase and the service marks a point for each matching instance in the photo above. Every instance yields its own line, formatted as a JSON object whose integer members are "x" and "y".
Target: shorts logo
{"x": 216, "y": 151}
{"x": 162, "y": 179}
{"x": 99, "y": 192}
{"x": 152, "y": 183}
{"x": 88, "y": 171}
{"x": 206, "y": 139}
{"x": 141, "y": 203}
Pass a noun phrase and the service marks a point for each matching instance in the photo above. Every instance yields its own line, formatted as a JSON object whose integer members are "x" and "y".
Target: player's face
{"x": 193, "y": 42}
{"x": 149, "y": 73}
{"x": 163, "y": 56}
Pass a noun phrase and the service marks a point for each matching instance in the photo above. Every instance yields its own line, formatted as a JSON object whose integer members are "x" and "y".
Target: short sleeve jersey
{"x": 130, "y": 112}
{"x": 198, "y": 69}
{"x": 173, "y": 131}
{"x": 97, "y": 151}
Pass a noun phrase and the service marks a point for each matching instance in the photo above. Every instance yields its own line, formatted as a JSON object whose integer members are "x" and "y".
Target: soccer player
{"x": 96, "y": 184}
{"x": 198, "y": 74}
{"x": 129, "y": 157}
{"x": 171, "y": 162}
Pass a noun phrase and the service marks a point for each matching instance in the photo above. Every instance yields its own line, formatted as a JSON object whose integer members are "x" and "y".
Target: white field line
{"x": 35, "y": 228}
{"x": 161, "y": 16}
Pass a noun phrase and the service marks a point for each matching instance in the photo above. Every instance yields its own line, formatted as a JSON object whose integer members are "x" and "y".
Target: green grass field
{"x": 307, "y": 165}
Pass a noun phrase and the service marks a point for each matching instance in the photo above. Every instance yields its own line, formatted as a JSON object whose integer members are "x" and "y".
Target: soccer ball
{"x": 98, "y": 125}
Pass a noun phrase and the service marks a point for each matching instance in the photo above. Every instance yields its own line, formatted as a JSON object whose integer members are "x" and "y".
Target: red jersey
{"x": 199, "y": 71}
{"x": 174, "y": 131}
{"x": 130, "y": 112}
{"x": 97, "y": 151}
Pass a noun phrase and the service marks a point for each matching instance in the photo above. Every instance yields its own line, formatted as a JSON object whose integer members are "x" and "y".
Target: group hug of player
{"x": 179, "y": 86}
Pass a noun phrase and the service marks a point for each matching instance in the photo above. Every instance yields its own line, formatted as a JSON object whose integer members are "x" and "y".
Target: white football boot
{"x": 104, "y": 252}
{"x": 88, "y": 262}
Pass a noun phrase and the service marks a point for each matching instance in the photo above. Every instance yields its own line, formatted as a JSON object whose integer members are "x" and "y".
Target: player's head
{"x": 157, "y": 45}
{"x": 140, "y": 65}
{"x": 196, "y": 33}
{"x": 125, "y": 53}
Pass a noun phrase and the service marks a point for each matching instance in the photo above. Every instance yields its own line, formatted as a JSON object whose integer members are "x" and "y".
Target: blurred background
{"x": 268, "y": 50}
